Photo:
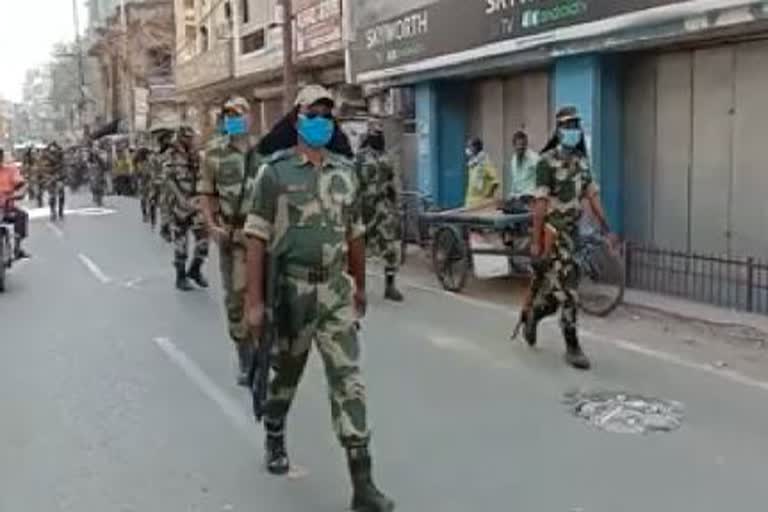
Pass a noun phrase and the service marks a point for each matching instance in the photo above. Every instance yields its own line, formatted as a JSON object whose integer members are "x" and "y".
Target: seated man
{"x": 12, "y": 188}
{"x": 520, "y": 180}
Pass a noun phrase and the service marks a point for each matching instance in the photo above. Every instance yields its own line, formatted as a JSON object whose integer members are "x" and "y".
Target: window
{"x": 245, "y": 10}
{"x": 252, "y": 42}
{"x": 227, "y": 11}
{"x": 204, "y": 39}
{"x": 189, "y": 4}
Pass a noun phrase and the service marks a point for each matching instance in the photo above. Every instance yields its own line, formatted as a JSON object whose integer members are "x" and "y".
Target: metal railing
{"x": 735, "y": 283}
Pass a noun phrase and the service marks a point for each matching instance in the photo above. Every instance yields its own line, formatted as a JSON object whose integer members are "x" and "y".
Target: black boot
{"x": 391, "y": 292}
{"x": 530, "y": 327}
{"x": 244, "y": 361}
{"x": 531, "y": 319}
{"x": 182, "y": 283}
{"x": 276, "y": 455}
{"x": 18, "y": 252}
{"x": 366, "y": 496}
{"x": 195, "y": 273}
{"x": 574, "y": 356}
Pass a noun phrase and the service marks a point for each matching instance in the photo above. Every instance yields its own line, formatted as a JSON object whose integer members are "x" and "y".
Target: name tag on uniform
{"x": 296, "y": 188}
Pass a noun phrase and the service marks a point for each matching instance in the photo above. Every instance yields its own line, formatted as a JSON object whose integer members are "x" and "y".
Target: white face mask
{"x": 469, "y": 152}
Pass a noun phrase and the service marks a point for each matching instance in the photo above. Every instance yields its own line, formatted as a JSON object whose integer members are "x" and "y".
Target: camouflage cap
{"x": 567, "y": 113}
{"x": 162, "y": 127}
{"x": 186, "y": 130}
{"x": 237, "y": 104}
{"x": 314, "y": 93}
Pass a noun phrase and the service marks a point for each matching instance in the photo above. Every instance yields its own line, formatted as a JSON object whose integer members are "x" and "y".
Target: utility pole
{"x": 80, "y": 70}
{"x": 289, "y": 71}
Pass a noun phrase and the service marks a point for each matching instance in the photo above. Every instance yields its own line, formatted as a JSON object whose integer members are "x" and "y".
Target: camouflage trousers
{"x": 181, "y": 229}
{"x": 150, "y": 197}
{"x": 57, "y": 194}
{"x": 233, "y": 280}
{"x": 382, "y": 239}
{"x": 556, "y": 281}
{"x": 323, "y": 313}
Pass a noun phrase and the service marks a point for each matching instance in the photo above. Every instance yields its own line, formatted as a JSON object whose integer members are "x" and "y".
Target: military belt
{"x": 313, "y": 275}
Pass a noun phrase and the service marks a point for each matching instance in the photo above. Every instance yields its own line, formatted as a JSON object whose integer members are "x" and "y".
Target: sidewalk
{"x": 510, "y": 291}
{"x": 670, "y": 328}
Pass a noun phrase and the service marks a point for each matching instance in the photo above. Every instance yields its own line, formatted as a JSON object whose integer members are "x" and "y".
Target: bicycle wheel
{"x": 601, "y": 288}
{"x": 450, "y": 258}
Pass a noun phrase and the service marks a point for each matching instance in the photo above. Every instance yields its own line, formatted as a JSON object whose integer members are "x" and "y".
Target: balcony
{"x": 205, "y": 69}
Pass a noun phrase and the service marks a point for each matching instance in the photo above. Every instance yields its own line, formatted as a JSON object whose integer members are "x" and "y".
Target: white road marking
{"x": 94, "y": 269}
{"x": 447, "y": 342}
{"x": 56, "y": 230}
{"x": 629, "y": 346}
{"x": 231, "y": 409}
{"x": 725, "y": 373}
{"x": 44, "y": 213}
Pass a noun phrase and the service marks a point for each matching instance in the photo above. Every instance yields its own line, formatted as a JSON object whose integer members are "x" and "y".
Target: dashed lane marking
{"x": 94, "y": 269}
{"x": 231, "y": 409}
{"x": 55, "y": 229}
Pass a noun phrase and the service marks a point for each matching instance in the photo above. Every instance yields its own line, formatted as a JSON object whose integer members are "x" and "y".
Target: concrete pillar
{"x": 592, "y": 84}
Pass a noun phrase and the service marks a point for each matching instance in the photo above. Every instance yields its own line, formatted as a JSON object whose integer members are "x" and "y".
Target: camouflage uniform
{"x": 565, "y": 180}
{"x": 54, "y": 179}
{"x": 144, "y": 183}
{"x": 33, "y": 176}
{"x": 156, "y": 193}
{"x": 224, "y": 175}
{"x": 181, "y": 174}
{"x": 306, "y": 215}
{"x": 380, "y": 184}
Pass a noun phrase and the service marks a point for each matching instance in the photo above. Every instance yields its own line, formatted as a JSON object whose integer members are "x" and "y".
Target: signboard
{"x": 318, "y": 26}
{"x": 392, "y": 33}
{"x": 141, "y": 108}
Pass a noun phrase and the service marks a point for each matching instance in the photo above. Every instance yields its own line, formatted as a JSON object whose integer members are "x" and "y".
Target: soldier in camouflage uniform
{"x": 156, "y": 193}
{"x": 227, "y": 174}
{"x": 181, "y": 205}
{"x": 380, "y": 184}
{"x": 143, "y": 165}
{"x": 55, "y": 179}
{"x": 306, "y": 216}
{"x": 563, "y": 182}
{"x": 31, "y": 170}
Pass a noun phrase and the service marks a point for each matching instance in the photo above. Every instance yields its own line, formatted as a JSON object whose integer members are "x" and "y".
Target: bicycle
{"x": 602, "y": 274}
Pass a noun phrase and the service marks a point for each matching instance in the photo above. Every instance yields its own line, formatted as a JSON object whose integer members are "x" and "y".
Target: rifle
{"x": 258, "y": 377}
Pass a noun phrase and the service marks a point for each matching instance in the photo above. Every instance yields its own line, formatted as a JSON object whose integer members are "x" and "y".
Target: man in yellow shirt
{"x": 483, "y": 183}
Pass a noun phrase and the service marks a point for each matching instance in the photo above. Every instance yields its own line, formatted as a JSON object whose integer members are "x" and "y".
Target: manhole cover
{"x": 625, "y": 413}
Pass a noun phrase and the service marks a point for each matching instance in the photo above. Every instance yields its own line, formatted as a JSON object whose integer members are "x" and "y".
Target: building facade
{"x": 226, "y": 47}
{"x": 134, "y": 55}
{"x": 673, "y": 94}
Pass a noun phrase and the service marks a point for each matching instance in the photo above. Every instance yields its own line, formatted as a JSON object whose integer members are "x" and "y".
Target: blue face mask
{"x": 316, "y": 132}
{"x": 570, "y": 137}
{"x": 235, "y": 125}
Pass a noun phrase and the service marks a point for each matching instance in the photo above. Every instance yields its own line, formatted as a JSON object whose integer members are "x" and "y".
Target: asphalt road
{"x": 117, "y": 394}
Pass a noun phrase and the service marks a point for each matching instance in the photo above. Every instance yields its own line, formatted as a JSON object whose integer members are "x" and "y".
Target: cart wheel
{"x": 601, "y": 288}
{"x": 450, "y": 259}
